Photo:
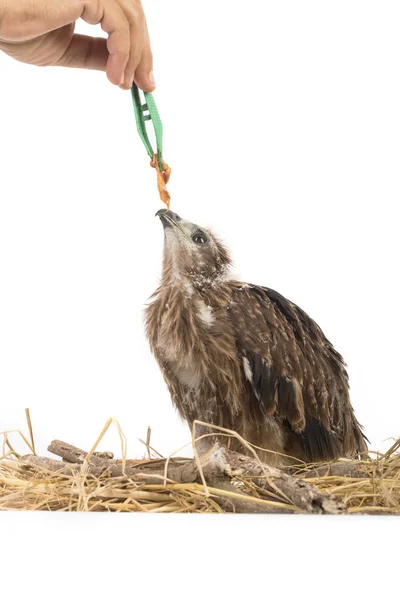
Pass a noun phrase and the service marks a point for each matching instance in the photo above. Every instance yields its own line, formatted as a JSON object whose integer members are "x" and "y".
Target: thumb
{"x": 85, "y": 52}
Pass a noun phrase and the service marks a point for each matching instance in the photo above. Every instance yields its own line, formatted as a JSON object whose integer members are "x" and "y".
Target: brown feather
{"x": 245, "y": 358}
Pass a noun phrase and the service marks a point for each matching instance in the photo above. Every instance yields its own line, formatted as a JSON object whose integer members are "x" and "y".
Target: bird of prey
{"x": 245, "y": 358}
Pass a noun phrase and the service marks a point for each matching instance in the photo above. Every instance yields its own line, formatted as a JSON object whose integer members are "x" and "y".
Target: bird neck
{"x": 189, "y": 296}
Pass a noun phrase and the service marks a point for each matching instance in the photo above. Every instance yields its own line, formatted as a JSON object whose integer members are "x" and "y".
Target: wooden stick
{"x": 219, "y": 466}
{"x": 184, "y": 473}
{"x": 338, "y": 469}
{"x": 72, "y": 454}
{"x": 301, "y": 494}
{"x": 49, "y": 464}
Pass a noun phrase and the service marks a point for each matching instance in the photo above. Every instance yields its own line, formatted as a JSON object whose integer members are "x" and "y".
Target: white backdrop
{"x": 282, "y": 128}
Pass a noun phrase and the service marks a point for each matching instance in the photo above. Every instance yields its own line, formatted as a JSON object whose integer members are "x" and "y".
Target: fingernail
{"x": 152, "y": 81}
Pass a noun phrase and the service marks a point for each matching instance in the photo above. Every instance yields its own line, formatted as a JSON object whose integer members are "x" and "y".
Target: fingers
{"x": 125, "y": 55}
{"x": 128, "y": 43}
{"x": 140, "y": 63}
{"x": 144, "y": 71}
{"x": 115, "y": 23}
{"x": 135, "y": 16}
{"x": 85, "y": 52}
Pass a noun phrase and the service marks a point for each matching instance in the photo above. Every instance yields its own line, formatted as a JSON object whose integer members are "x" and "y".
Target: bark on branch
{"x": 223, "y": 469}
{"x": 340, "y": 469}
{"x": 297, "y": 491}
{"x": 182, "y": 473}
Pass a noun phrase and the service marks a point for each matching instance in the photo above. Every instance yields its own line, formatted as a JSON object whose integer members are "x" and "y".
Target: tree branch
{"x": 297, "y": 491}
{"x": 223, "y": 469}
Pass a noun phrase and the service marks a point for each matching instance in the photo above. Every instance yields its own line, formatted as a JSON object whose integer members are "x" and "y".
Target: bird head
{"x": 192, "y": 253}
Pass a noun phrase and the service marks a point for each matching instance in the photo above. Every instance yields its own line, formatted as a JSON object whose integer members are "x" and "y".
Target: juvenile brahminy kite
{"x": 244, "y": 357}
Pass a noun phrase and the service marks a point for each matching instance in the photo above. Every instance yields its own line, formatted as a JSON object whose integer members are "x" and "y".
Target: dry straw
{"x": 223, "y": 482}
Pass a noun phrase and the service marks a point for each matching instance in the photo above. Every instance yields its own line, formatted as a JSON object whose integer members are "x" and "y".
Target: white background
{"x": 282, "y": 127}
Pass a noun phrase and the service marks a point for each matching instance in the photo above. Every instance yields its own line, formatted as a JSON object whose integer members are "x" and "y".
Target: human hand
{"x": 41, "y": 32}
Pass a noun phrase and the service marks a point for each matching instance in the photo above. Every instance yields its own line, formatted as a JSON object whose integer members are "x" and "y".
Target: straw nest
{"x": 217, "y": 481}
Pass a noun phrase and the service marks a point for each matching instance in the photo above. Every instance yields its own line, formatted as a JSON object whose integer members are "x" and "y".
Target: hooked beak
{"x": 168, "y": 218}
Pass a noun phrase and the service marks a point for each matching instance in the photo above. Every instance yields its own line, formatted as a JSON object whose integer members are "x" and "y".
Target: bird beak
{"x": 161, "y": 212}
{"x": 167, "y": 217}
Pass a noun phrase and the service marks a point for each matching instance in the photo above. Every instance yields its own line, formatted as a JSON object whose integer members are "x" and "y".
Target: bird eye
{"x": 199, "y": 238}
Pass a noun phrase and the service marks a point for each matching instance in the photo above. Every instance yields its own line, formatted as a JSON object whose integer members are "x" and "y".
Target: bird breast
{"x": 185, "y": 366}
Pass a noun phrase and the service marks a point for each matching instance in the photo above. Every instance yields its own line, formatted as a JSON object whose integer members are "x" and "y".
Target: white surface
{"x": 282, "y": 127}
{"x": 198, "y": 557}
{"x": 282, "y": 131}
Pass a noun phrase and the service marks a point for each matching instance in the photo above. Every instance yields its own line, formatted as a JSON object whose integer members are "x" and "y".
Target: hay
{"x": 216, "y": 482}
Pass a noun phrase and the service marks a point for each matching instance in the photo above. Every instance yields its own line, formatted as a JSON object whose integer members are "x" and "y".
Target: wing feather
{"x": 294, "y": 372}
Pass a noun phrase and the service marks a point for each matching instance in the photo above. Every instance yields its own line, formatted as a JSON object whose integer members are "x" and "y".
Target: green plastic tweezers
{"x": 147, "y": 111}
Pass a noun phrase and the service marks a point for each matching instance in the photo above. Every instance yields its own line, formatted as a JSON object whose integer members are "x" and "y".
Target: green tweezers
{"x": 148, "y": 112}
